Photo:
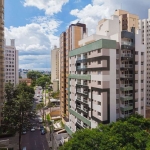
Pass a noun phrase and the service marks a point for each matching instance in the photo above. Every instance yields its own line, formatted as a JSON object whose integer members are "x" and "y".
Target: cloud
{"x": 99, "y": 9}
{"x": 50, "y": 7}
{"x": 34, "y": 41}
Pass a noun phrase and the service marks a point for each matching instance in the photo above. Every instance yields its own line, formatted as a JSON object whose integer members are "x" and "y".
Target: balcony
{"x": 85, "y": 125}
{"x": 79, "y": 82}
{"x": 78, "y": 106}
{"x": 79, "y": 98}
{"x": 126, "y": 55}
{"x": 85, "y": 110}
{"x": 85, "y": 82}
{"x": 84, "y": 56}
{"x": 126, "y": 87}
{"x": 78, "y": 121}
{"x": 126, "y": 76}
{"x": 78, "y": 58}
{"x": 126, "y": 97}
{"x": 85, "y": 101}
{"x": 126, "y": 66}
{"x": 85, "y": 92}
{"x": 127, "y": 107}
{"x": 126, "y": 43}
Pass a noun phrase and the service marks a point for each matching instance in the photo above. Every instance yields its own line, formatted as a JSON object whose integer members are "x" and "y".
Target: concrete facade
{"x": 2, "y": 78}
{"x": 144, "y": 26}
{"x": 11, "y": 63}
{"x": 106, "y": 76}
{"x": 54, "y": 64}
{"x": 68, "y": 41}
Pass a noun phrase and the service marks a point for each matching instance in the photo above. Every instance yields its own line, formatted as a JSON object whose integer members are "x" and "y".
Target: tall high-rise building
{"x": 11, "y": 63}
{"x": 68, "y": 41}
{"x": 54, "y": 64}
{"x": 144, "y": 26}
{"x": 127, "y": 20}
{"x": 1, "y": 55}
{"x": 107, "y": 76}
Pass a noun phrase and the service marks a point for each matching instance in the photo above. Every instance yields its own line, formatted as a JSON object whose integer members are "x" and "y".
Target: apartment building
{"x": 54, "y": 64}
{"x": 1, "y": 55}
{"x": 106, "y": 76}
{"x": 11, "y": 63}
{"x": 144, "y": 26}
{"x": 68, "y": 41}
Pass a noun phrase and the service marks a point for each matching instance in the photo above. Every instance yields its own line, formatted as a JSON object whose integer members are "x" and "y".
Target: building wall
{"x": 144, "y": 26}
{"x": 54, "y": 64}
{"x": 2, "y": 78}
{"x": 11, "y": 63}
{"x": 68, "y": 41}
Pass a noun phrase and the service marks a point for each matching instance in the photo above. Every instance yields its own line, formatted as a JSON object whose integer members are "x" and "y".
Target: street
{"x": 34, "y": 140}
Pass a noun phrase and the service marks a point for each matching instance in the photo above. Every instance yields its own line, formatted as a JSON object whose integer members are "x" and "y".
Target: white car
{"x": 37, "y": 95}
{"x": 32, "y": 129}
{"x": 41, "y": 97}
{"x": 40, "y": 120}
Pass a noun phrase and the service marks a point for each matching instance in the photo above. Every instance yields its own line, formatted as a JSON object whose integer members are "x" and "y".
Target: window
{"x": 99, "y": 61}
{"x": 99, "y": 82}
{"x": 142, "y": 53}
{"x": 99, "y": 113}
{"x": 99, "y": 93}
{"x": 136, "y": 53}
{"x": 99, "y": 50}
{"x": 89, "y": 53}
{"x": 98, "y": 103}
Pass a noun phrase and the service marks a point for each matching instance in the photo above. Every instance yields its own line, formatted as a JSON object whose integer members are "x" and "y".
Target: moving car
{"x": 41, "y": 128}
{"x": 43, "y": 132}
{"x": 32, "y": 129}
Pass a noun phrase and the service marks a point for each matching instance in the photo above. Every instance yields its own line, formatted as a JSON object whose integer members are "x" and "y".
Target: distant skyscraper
{"x": 11, "y": 63}
{"x": 68, "y": 41}
{"x": 1, "y": 55}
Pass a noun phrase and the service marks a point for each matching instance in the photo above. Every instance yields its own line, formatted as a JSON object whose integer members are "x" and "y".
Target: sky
{"x": 36, "y": 24}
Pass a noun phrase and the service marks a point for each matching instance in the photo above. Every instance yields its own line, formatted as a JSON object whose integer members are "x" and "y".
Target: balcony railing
{"x": 85, "y": 126}
{"x": 85, "y": 82}
{"x": 126, "y": 75}
{"x": 85, "y": 109}
{"x": 126, "y": 55}
{"x": 85, "y": 101}
{"x": 79, "y": 98}
{"x": 126, "y": 43}
{"x": 126, "y": 65}
{"x": 85, "y": 92}
{"x": 126, "y": 87}
{"x": 79, "y": 82}
{"x": 85, "y": 57}
{"x": 79, "y": 58}
{"x": 79, "y": 106}
{"x": 79, "y": 121}
{"x": 85, "y": 66}
{"x": 126, "y": 97}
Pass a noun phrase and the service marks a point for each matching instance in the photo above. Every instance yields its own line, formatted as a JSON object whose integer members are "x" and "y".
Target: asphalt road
{"x": 34, "y": 140}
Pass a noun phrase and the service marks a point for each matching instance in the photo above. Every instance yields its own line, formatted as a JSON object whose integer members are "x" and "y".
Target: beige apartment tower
{"x": 127, "y": 20}
{"x": 68, "y": 41}
{"x": 1, "y": 55}
{"x": 54, "y": 64}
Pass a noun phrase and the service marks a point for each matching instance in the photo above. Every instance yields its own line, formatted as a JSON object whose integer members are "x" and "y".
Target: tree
{"x": 42, "y": 81}
{"x": 17, "y": 108}
{"x": 40, "y": 107}
{"x": 125, "y": 134}
{"x": 50, "y": 105}
{"x": 55, "y": 94}
{"x": 34, "y": 75}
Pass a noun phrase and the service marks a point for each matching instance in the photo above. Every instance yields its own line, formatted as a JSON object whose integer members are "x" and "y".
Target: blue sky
{"x": 37, "y": 24}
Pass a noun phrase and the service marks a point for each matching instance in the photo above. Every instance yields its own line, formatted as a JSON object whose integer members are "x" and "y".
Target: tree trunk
{"x": 19, "y": 140}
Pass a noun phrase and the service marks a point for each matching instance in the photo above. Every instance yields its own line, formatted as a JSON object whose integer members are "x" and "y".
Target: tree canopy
{"x": 42, "y": 81}
{"x": 127, "y": 134}
{"x": 17, "y": 109}
{"x": 34, "y": 75}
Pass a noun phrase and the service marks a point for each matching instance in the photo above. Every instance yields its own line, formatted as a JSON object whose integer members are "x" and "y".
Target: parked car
{"x": 43, "y": 132}
{"x": 37, "y": 95}
{"x": 32, "y": 129}
{"x": 40, "y": 120}
{"x": 24, "y": 131}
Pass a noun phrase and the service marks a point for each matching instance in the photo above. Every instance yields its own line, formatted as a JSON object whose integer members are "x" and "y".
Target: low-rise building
{"x": 26, "y": 80}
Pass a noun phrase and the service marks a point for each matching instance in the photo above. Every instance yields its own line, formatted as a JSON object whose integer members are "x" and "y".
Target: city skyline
{"x": 36, "y": 26}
